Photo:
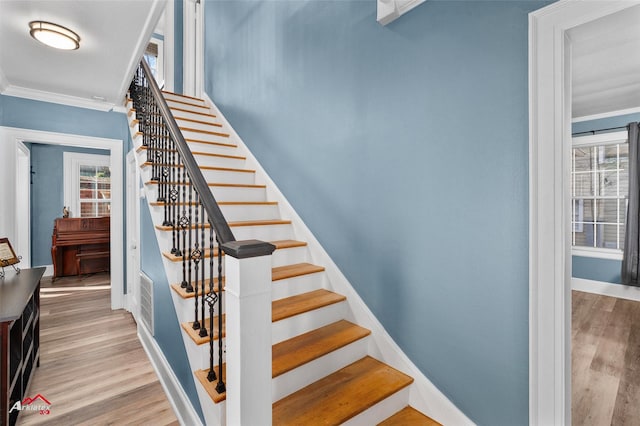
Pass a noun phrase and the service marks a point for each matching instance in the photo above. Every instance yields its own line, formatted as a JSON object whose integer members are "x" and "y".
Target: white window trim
{"x": 611, "y": 138}
{"x": 71, "y": 166}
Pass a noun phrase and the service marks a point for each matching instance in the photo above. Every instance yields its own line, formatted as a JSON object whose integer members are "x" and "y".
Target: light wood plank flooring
{"x": 605, "y": 356}
{"x": 93, "y": 369}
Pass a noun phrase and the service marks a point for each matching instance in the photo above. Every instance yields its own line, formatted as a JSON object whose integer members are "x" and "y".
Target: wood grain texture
{"x": 409, "y": 416}
{"x": 295, "y": 305}
{"x": 93, "y": 368}
{"x": 340, "y": 396}
{"x": 605, "y": 357}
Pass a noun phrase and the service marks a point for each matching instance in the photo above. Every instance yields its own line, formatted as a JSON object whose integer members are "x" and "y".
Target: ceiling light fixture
{"x": 54, "y": 35}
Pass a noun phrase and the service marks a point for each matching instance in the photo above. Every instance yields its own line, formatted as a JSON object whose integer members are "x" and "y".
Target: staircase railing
{"x": 190, "y": 209}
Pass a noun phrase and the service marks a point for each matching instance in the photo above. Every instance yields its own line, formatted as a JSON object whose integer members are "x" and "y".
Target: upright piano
{"x": 80, "y": 246}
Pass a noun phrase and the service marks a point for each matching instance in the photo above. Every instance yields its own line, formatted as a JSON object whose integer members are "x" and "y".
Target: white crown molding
{"x": 606, "y": 115}
{"x": 390, "y": 10}
{"x": 4, "y": 83}
{"x": 56, "y": 98}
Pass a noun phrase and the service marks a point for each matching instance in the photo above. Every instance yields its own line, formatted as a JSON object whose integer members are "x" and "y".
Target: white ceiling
{"x": 606, "y": 64}
{"x": 113, "y": 35}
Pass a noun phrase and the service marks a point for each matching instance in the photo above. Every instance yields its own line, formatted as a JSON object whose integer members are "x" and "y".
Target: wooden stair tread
{"x": 342, "y": 395}
{"x": 202, "y": 340}
{"x": 210, "y": 387}
{"x": 186, "y": 103}
{"x": 222, "y": 203}
{"x": 203, "y": 113}
{"x": 280, "y": 309}
{"x": 222, "y": 169}
{"x": 206, "y": 132}
{"x": 409, "y": 416}
{"x": 295, "y": 305}
{"x": 277, "y": 273}
{"x": 294, "y": 270}
{"x": 229, "y": 185}
{"x": 193, "y": 120}
{"x": 166, "y": 92}
{"x": 189, "y": 140}
{"x": 207, "y": 154}
{"x": 266, "y": 222}
{"x": 280, "y": 244}
{"x": 306, "y": 347}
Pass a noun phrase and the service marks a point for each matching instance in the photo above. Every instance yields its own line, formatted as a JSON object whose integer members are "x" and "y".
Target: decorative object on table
{"x": 65, "y": 212}
{"x": 8, "y": 256}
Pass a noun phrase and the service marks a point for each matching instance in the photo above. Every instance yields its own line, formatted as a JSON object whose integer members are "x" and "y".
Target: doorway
{"x": 12, "y": 137}
{"x": 133, "y": 235}
{"x": 549, "y": 247}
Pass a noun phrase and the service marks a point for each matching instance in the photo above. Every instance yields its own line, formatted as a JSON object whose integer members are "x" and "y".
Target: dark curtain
{"x": 630, "y": 256}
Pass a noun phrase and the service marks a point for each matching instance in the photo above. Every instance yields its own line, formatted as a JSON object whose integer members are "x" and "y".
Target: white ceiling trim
{"x": 390, "y": 10}
{"x": 56, "y": 98}
{"x": 4, "y": 83}
{"x": 141, "y": 44}
{"x": 606, "y": 114}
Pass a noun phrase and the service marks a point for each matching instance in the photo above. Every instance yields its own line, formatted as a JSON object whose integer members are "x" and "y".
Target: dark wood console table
{"x": 19, "y": 337}
{"x": 81, "y": 246}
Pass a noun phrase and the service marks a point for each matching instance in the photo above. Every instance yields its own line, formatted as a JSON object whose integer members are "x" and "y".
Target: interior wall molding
{"x": 56, "y": 98}
{"x": 620, "y": 291}
{"x": 390, "y": 10}
{"x": 607, "y": 114}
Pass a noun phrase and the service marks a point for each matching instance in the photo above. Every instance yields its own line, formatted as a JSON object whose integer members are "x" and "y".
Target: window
{"x": 155, "y": 58}
{"x": 599, "y": 191}
{"x": 87, "y": 184}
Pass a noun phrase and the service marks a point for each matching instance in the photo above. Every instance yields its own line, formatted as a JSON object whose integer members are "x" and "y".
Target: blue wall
{"x": 47, "y": 195}
{"x": 178, "y": 19}
{"x": 590, "y": 268}
{"x": 405, "y": 150}
{"x": 166, "y": 325}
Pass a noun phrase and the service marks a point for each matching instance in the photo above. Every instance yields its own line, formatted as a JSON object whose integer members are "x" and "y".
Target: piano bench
{"x": 89, "y": 256}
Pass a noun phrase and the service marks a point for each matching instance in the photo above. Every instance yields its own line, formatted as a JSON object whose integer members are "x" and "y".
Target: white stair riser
{"x": 213, "y": 161}
{"x": 214, "y": 414}
{"x": 298, "y": 285}
{"x": 290, "y": 256}
{"x": 222, "y": 148}
{"x": 263, "y": 232}
{"x": 175, "y": 97}
{"x": 204, "y": 123}
{"x": 199, "y": 354}
{"x": 174, "y": 270}
{"x": 229, "y": 193}
{"x": 220, "y": 193}
{"x": 223, "y": 137}
{"x": 217, "y": 176}
{"x": 244, "y": 212}
{"x": 201, "y": 114}
{"x": 298, "y": 324}
{"x": 185, "y": 308}
{"x": 179, "y": 103}
{"x": 382, "y": 410}
{"x": 296, "y": 379}
{"x": 203, "y": 160}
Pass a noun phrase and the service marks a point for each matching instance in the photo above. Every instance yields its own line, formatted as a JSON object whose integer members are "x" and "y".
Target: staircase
{"x": 326, "y": 369}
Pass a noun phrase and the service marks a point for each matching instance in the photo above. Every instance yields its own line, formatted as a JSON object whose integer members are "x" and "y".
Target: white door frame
{"x": 133, "y": 235}
{"x": 12, "y": 137}
{"x": 193, "y": 47}
{"x": 22, "y": 244}
{"x": 549, "y": 201}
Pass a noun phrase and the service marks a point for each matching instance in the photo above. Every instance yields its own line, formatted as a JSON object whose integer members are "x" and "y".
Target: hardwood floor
{"x": 93, "y": 369}
{"x": 605, "y": 339}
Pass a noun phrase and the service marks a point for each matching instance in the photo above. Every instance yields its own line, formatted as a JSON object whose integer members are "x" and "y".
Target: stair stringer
{"x": 214, "y": 414}
{"x": 423, "y": 394}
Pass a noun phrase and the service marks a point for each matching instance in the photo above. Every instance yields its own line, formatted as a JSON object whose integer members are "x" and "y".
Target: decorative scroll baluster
{"x": 184, "y": 224}
{"x": 196, "y": 255}
{"x": 212, "y": 297}
{"x": 203, "y": 330}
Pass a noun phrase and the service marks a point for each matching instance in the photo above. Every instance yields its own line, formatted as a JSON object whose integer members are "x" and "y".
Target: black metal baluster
{"x": 184, "y": 223}
{"x": 220, "y": 387}
{"x": 196, "y": 254}
{"x": 211, "y": 300}
{"x": 173, "y": 196}
{"x": 203, "y": 330}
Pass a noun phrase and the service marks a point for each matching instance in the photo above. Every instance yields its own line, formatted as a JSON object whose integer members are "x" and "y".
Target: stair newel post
{"x": 248, "y": 331}
{"x": 220, "y": 387}
{"x": 195, "y": 258}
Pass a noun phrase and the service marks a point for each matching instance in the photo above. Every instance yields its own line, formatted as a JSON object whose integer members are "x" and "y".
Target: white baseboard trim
{"x": 606, "y": 289}
{"x": 178, "y": 399}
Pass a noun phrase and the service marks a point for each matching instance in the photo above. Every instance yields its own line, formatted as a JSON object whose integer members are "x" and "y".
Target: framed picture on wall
{"x": 7, "y": 255}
